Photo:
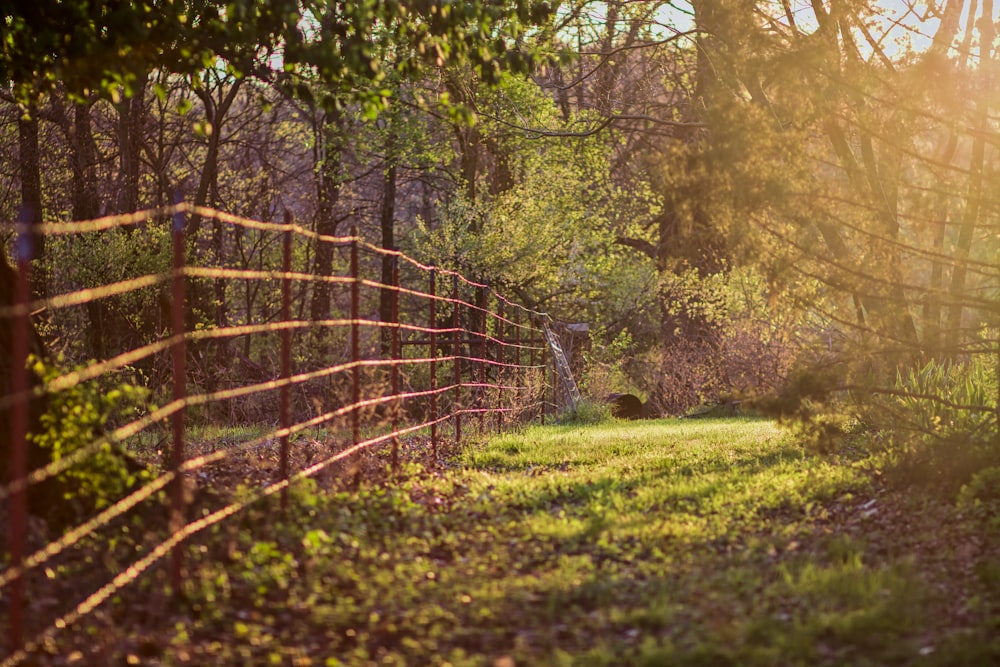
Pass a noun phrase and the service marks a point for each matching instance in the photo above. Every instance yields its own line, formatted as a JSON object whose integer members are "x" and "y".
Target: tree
{"x": 540, "y": 224}
{"x": 853, "y": 174}
{"x": 110, "y": 52}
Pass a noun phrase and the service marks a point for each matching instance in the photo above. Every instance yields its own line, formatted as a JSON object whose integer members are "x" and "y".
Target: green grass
{"x": 683, "y": 542}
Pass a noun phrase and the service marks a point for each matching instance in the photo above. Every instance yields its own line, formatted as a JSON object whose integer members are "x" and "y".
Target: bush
{"x": 75, "y": 419}
{"x": 981, "y": 497}
{"x": 604, "y": 372}
{"x": 728, "y": 342}
{"x": 938, "y": 421}
{"x": 587, "y": 412}
{"x": 948, "y": 399}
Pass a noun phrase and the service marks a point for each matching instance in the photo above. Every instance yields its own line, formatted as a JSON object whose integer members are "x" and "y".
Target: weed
{"x": 981, "y": 497}
{"x": 75, "y": 419}
{"x": 587, "y": 412}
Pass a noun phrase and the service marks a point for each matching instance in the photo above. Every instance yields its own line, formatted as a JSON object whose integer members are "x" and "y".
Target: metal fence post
{"x": 457, "y": 352}
{"x": 531, "y": 352}
{"x": 179, "y": 352}
{"x": 518, "y": 371}
{"x": 286, "y": 350}
{"x": 545, "y": 376}
{"x": 396, "y": 357}
{"x": 432, "y": 290}
{"x": 355, "y": 339}
{"x": 18, "y": 522}
{"x": 501, "y": 371}
{"x": 555, "y": 378}
{"x": 481, "y": 389}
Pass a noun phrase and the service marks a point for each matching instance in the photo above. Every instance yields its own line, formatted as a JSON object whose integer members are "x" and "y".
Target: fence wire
{"x": 216, "y": 339}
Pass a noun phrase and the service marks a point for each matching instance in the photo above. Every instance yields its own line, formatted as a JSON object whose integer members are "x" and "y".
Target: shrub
{"x": 587, "y": 412}
{"x": 74, "y": 419}
{"x": 939, "y": 421}
{"x": 728, "y": 341}
{"x": 981, "y": 497}
{"x": 947, "y": 399}
{"x": 604, "y": 372}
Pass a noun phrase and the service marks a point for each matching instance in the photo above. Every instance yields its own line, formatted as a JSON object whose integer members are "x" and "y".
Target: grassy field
{"x": 686, "y": 542}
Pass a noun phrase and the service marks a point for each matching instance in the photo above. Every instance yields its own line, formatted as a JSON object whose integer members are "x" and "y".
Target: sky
{"x": 897, "y": 26}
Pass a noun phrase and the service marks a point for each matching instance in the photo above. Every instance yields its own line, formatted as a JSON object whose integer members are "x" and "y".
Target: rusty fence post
{"x": 286, "y": 351}
{"x": 518, "y": 371}
{"x": 457, "y": 352}
{"x": 501, "y": 373}
{"x": 531, "y": 354}
{"x": 396, "y": 358}
{"x": 179, "y": 393}
{"x": 432, "y": 323}
{"x": 545, "y": 375}
{"x": 555, "y": 378}
{"x": 355, "y": 339}
{"x": 481, "y": 397}
{"x": 18, "y": 520}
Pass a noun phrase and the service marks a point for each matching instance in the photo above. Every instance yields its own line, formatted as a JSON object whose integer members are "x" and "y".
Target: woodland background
{"x": 788, "y": 204}
{"x": 778, "y": 208}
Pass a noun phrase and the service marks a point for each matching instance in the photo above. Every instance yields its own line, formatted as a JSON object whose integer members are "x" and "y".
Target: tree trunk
{"x": 86, "y": 204}
{"x": 29, "y": 167}
{"x": 86, "y": 207}
{"x": 468, "y": 142}
{"x": 970, "y": 220}
{"x": 387, "y": 220}
{"x": 207, "y": 194}
{"x": 933, "y": 309}
{"x": 329, "y": 134}
{"x": 688, "y": 240}
{"x": 130, "y": 115}
{"x": 469, "y": 145}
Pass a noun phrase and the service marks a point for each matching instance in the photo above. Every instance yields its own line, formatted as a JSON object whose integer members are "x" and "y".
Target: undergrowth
{"x": 685, "y": 542}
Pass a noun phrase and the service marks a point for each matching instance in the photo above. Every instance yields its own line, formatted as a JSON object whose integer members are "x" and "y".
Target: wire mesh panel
{"x": 564, "y": 384}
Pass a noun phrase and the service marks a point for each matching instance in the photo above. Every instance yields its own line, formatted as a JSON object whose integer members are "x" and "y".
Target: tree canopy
{"x": 107, "y": 47}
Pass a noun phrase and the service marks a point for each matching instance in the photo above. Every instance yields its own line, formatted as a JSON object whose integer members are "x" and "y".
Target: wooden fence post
{"x": 501, "y": 373}
{"x": 545, "y": 376}
{"x": 531, "y": 352}
{"x": 555, "y": 378}
{"x": 518, "y": 371}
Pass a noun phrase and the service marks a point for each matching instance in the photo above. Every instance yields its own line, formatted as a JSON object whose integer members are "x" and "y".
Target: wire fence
{"x": 240, "y": 340}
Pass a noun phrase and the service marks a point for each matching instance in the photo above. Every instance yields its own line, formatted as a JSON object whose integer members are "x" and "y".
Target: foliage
{"x": 727, "y": 195}
{"x": 116, "y": 255}
{"x": 742, "y": 348}
{"x": 75, "y": 419}
{"x": 545, "y": 235}
{"x": 586, "y": 412}
{"x": 981, "y": 497}
{"x": 605, "y": 364}
{"x": 947, "y": 400}
{"x": 937, "y": 421}
{"x": 88, "y": 47}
